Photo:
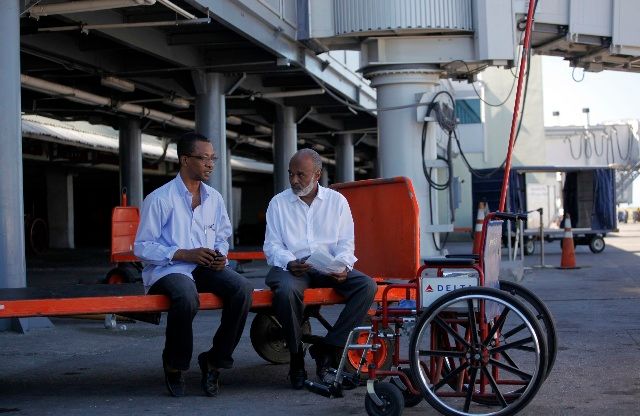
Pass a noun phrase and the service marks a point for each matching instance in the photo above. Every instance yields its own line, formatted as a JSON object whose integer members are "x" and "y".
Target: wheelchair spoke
{"x": 520, "y": 344}
{"x": 508, "y": 359}
{"x": 494, "y": 385}
{"x": 450, "y": 375}
{"x": 472, "y": 322}
{"x": 514, "y": 331}
{"x": 451, "y": 331}
{"x": 441, "y": 353}
{"x": 512, "y": 369}
{"x": 496, "y": 326}
{"x": 471, "y": 389}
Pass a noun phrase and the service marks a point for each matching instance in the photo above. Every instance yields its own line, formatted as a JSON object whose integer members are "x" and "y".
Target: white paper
{"x": 325, "y": 262}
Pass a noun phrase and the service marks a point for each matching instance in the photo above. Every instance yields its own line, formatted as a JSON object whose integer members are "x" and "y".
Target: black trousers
{"x": 236, "y": 292}
{"x": 359, "y": 290}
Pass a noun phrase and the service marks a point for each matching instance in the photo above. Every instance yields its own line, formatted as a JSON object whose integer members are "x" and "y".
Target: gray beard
{"x": 306, "y": 190}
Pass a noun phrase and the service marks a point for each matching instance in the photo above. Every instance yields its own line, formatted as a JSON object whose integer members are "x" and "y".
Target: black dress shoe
{"x": 297, "y": 374}
{"x": 210, "y": 381}
{"x": 174, "y": 381}
{"x": 325, "y": 357}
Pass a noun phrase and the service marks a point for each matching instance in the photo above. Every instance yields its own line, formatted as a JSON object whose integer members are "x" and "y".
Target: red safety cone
{"x": 477, "y": 235}
{"x": 568, "y": 260}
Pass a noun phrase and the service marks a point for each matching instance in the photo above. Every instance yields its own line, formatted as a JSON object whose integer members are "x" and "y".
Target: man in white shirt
{"x": 301, "y": 220}
{"x": 182, "y": 239}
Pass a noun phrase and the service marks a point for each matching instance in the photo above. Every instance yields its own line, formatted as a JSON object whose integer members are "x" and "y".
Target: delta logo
{"x": 429, "y": 289}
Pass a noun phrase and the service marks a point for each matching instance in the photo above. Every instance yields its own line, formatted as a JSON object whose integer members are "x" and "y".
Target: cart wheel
{"x": 499, "y": 361}
{"x": 37, "y": 236}
{"x": 268, "y": 340}
{"x": 121, "y": 274}
{"x": 529, "y": 247}
{"x": 410, "y": 400}
{"x": 540, "y": 310}
{"x": 392, "y": 401}
{"x": 354, "y": 357}
{"x": 597, "y": 245}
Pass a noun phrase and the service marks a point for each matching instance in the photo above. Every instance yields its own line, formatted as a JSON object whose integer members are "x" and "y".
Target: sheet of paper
{"x": 325, "y": 262}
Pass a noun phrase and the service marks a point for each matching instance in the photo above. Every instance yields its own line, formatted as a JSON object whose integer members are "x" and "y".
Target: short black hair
{"x": 187, "y": 141}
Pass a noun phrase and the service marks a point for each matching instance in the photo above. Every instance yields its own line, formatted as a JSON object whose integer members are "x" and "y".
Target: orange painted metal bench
{"x": 385, "y": 213}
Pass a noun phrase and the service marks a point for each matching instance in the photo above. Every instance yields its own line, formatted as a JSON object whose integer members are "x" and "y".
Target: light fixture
{"x": 85, "y": 6}
{"x": 262, "y": 130}
{"x": 177, "y": 102}
{"x": 117, "y": 84}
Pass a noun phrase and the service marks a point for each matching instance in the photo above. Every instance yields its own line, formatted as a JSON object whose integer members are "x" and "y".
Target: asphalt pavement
{"x": 80, "y": 368}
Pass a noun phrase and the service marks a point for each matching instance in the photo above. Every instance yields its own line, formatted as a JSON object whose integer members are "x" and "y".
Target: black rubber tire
{"x": 597, "y": 244}
{"x": 38, "y": 236}
{"x": 390, "y": 395}
{"x": 122, "y": 274}
{"x": 268, "y": 340}
{"x": 529, "y": 247}
{"x": 477, "y": 294}
{"x": 410, "y": 400}
{"x": 542, "y": 312}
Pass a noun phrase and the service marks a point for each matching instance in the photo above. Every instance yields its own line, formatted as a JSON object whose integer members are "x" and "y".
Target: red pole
{"x": 516, "y": 109}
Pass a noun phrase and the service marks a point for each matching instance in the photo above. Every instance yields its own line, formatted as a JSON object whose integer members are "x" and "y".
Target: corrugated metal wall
{"x": 353, "y": 16}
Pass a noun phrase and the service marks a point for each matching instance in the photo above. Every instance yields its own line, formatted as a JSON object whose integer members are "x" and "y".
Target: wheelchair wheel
{"x": 268, "y": 340}
{"x": 410, "y": 400}
{"x": 354, "y": 356}
{"x": 392, "y": 401}
{"x": 540, "y": 310}
{"x": 477, "y": 347}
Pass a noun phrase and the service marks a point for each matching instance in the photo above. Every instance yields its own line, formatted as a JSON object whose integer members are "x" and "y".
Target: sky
{"x": 609, "y": 95}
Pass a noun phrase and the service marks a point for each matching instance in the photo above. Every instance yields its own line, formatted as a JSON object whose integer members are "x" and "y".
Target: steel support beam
{"x": 344, "y": 158}
{"x": 285, "y": 144}
{"x": 399, "y": 139}
{"x": 130, "y": 150}
{"x": 211, "y": 122}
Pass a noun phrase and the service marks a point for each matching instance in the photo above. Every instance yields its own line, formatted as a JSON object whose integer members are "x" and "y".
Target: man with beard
{"x": 182, "y": 239}
{"x": 301, "y": 220}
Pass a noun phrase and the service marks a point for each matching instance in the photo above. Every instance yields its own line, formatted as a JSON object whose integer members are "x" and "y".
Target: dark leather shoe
{"x": 174, "y": 381}
{"x": 324, "y": 355}
{"x": 297, "y": 374}
{"x": 210, "y": 381}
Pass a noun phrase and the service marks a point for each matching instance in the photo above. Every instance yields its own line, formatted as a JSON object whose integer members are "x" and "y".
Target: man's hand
{"x": 202, "y": 256}
{"x": 219, "y": 261}
{"x": 298, "y": 267}
{"x": 339, "y": 277}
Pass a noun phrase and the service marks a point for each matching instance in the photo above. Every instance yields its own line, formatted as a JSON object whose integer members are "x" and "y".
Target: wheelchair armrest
{"x": 510, "y": 216}
{"x": 462, "y": 256}
{"x": 451, "y": 262}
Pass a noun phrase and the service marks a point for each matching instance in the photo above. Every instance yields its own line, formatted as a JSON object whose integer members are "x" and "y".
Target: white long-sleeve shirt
{"x": 167, "y": 223}
{"x": 295, "y": 229}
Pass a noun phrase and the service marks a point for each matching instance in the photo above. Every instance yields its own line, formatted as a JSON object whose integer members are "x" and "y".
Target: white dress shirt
{"x": 295, "y": 229}
{"x": 167, "y": 223}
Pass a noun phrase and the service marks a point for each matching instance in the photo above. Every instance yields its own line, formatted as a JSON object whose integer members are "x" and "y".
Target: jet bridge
{"x": 406, "y": 46}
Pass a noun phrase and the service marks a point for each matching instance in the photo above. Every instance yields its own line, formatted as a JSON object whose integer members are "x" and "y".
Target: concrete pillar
{"x": 211, "y": 122}
{"x": 60, "y": 215}
{"x": 285, "y": 144}
{"x": 344, "y": 158}
{"x": 324, "y": 178}
{"x": 399, "y": 137}
{"x": 12, "y": 259}
{"x": 130, "y": 138}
